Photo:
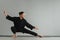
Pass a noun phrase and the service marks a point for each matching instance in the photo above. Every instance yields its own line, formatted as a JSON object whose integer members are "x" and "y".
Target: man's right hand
{"x": 5, "y": 13}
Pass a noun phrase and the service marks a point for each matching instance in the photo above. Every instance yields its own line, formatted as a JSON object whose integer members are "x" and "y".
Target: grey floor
{"x": 30, "y": 38}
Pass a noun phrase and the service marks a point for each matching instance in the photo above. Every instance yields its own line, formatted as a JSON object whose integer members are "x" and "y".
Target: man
{"x": 19, "y": 25}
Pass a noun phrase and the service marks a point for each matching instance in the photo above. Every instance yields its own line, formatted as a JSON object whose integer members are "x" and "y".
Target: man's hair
{"x": 20, "y": 13}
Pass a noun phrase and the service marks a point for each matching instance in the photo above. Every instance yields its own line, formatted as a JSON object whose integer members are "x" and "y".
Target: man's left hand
{"x": 36, "y": 28}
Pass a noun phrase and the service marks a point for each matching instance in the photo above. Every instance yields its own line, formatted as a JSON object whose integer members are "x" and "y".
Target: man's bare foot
{"x": 14, "y": 36}
{"x": 40, "y": 36}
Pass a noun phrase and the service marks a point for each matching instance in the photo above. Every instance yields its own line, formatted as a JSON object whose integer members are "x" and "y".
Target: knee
{"x": 12, "y": 28}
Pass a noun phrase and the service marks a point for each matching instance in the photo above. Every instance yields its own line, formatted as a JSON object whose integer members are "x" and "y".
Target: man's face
{"x": 22, "y": 15}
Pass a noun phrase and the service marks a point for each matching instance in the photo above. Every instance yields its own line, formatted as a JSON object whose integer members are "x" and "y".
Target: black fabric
{"x": 14, "y": 30}
{"x": 18, "y": 23}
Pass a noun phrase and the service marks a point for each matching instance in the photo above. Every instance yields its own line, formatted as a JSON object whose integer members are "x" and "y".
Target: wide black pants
{"x": 14, "y": 30}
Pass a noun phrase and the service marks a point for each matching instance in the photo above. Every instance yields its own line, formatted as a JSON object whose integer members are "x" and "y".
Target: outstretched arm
{"x": 7, "y": 16}
{"x": 30, "y": 26}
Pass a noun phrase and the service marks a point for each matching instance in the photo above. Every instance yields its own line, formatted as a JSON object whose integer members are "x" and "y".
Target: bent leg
{"x": 13, "y": 29}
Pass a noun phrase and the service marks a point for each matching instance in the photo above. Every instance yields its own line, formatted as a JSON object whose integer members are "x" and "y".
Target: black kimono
{"x": 19, "y": 25}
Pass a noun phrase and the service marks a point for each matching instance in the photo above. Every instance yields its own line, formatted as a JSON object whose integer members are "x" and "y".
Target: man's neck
{"x": 21, "y": 18}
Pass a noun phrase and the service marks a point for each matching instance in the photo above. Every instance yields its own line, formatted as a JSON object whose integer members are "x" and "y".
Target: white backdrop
{"x": 42, "y": 13}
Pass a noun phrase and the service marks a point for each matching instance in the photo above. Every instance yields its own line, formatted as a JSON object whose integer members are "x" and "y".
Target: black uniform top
{"x": 19, "y": 23}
